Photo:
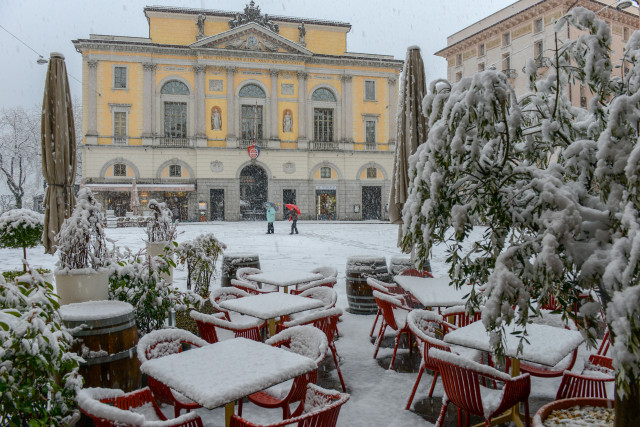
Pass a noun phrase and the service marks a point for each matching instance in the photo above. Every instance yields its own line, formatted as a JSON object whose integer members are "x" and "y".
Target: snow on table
{"x": 226, "y": 371}
{"x": 432, "y": 291}
{"x": 547, "y": 345}
{"x": 94, "y": 310}
{"x": 271, "y": 305}
{"x": 284, "y": 277}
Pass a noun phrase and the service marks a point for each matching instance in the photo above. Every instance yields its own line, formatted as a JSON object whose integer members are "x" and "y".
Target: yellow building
{"x": 179, "y": 111}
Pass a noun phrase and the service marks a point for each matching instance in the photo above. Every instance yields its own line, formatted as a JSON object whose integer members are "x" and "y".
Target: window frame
{"x": 506, "y": 39}
{"x": 375, "y": 91}
{"x": 126, "y": 76}
{"x": 459, "y": 60}
{"x": 175, "y": 171}
{"x": 184, "y": 134}
{"x": 374, "y": 173}
{"x": 259, "y": 117}
{"x": 374, "y": 125}
{"x": 538, "y": 29}
{"x": 120, "y": 108}
{"x": 330, "y": 125}
{"x": 506, "y": 61}
{"x": 119, "y": 166}
{"x": 481, "y": 49}
{"x": 324, "y": 169}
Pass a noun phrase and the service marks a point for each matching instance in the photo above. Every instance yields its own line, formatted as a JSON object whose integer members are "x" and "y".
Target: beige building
{"x": 525, "y": 29}
{"x": 217, "y": 112}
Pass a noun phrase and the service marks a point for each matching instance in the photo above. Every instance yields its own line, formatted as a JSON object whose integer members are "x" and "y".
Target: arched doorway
{"x": 253, "y": 193}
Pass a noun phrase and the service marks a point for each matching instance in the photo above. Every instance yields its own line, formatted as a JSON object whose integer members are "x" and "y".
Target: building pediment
{"x": 251, "y": 36}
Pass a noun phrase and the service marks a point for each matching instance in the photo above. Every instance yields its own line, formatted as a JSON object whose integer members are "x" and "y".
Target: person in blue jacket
{"x": 271, "y": 216}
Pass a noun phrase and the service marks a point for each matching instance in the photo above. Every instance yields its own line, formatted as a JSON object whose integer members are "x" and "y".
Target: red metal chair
{"x": 320, "y": 408}
{"x": 394, "y": 313}
{"x": 307, "y": 341}
{"x": 385, "y": 288}
{"x": 113, "y": 408}
{"x": 161, "y": 343}
{"x": 327, "y": 322}
{"x": 214, "y": 327}
{"x": 327, "y": 295}
{"x": 327, "y": 282}
{"x": 458, "y": 316}
{"x": 429, "y": 329}
{"x": 461, "y": 379}
{"x": 243, "y": 272}
{"x": 597, "y": 373}
{"x": 251, "y": 288}
{"x": 416, "y": 273}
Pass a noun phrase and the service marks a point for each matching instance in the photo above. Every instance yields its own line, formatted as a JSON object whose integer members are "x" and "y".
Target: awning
{"x": 142, "y": 187}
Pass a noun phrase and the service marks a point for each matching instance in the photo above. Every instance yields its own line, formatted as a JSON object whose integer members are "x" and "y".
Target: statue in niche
{"x": 200, "y": 25}
{"x": 216, "y": 119}
{"x": 288, "y": 122}
{"x": 302, "y": 32}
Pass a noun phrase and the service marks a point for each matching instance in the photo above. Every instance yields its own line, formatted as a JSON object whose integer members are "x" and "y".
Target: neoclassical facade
{"x": 186, "y": 111}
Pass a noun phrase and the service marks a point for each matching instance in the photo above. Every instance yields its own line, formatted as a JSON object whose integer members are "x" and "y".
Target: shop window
{"x": 119, "y": 169}
{"x": 119, "y": 77}
{"x": 175, "y": 171}
{"x": 372, "y": 173}
{"x": 325, "y": 172}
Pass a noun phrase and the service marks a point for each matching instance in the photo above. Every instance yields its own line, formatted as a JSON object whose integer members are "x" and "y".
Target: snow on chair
{"x": 458, "y": 316}
{"x": 113, "y": 407}
{"x": 306, "y": 341}
{"x": 327, "y": 322}
{"x": 428, "y": 329}
{"x": 326, "y": 271}
{"x": 160, "y": 343}
{"x": 394, "y": 313}
{"x": 319, "y": 408}
{"x": 327, "y": 282}
{"x": 243, "y": 272}
{"x": 385, "y": 288}
{"x": 461, "y": 379}
{"x": 251, "y": 288}
{"x": 215, "y": 327}
{"x": 415, "y": 272}
{"x": 224, "y": 294}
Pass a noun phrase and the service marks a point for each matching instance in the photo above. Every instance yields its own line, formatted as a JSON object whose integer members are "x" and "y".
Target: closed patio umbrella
{"x": 412, "y": 131}
{"x": 58, "y": 150}
{"x": 135, "y": 200}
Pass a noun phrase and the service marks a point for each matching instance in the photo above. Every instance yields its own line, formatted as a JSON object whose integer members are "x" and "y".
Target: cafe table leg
{"x": 229, "y": 410}
{"x": 272, "y": 326}
{"x": 286, "y": 289}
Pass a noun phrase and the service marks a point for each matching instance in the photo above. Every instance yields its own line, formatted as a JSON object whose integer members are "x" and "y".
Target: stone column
{"x": 302, "y": 105}
{"x": 200, "y": 128}
{"x": 231, "y": 110}
{"x": 92, "y": 103}
{"x": 393, "y": 110}
{"x": 347, "y": 103}
{"x": 275, "y": 123}
{"x": 148, "y": 102}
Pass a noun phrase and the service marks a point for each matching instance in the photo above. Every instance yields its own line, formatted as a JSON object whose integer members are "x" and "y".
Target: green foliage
{"x": 38, "y": 376}
{"x": 138, "y": 280}
{"x": 200, "y": 256}
{"x": 21, "y": 228}
{"x": 11, "y": 275}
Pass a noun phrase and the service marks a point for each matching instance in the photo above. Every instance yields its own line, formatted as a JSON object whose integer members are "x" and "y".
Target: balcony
{"x": 510, "y": 73}
{"x": 370, "y": 146}
{"x": 324, "y": 146}
{"x": 120, "y": 140}
{"x": 174, "y": 142}
{"x": 245, "y": 143}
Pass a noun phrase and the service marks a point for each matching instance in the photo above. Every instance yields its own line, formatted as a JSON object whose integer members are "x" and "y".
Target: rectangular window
{"x": 119, "y": 169}
{"x": 481, "y": 49}
{"x": 370, "y": 131}
{"x": 119, "y": 124}
{"x": 506, "y": 39}
{"x": 538, "y": 26}
{"x": 372, "y": 173}
{"x": 175, "y": 119}
{"x": 252, "y": 122}
{"x": 458, "y": 76}
{"x": 323, "y": 124}
{"x": 481, "y": 66}
{"x": 120, "y": 77}
{"x": 538, "y": 49}
{"x": 369, "y": 90}
{"x": 325, "y": 172}
{"x": 459, "y": 59}
{"x": 175, "y": 171}
{"x": 506, "y": 62}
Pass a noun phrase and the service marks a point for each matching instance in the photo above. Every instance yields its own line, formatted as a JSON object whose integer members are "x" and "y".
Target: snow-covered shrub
{"x": 200, "y": 256}
{"x": 21, "y": 228}
{"x": 140, "y": 281}
{"x": 81, "y": 242}
{"x": 38, "y": 375}
{"x": 160, "y": 227}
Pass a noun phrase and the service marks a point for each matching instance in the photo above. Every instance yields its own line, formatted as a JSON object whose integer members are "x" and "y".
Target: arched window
{"x": 252, "y": 91}
{"x": 119, "y": 169}
{"x": 174, "y": 87}
{"x": 323, "y": 94}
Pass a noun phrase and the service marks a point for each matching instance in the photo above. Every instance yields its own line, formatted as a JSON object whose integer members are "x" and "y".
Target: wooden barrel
{"x": 107, "y": 341}
{"x": 399, "y": 263}
{"x": 359, "y": 295}
{"x": 231, "y": 262}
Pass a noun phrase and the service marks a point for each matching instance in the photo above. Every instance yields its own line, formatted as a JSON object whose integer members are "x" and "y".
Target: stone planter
{"x": 544, "y": 412}
{"x": 156, "y": 249}
{"x": 82, "y": 285}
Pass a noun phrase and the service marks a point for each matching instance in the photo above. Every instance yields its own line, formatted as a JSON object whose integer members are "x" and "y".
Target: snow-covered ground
{"x": 378, "y": 395}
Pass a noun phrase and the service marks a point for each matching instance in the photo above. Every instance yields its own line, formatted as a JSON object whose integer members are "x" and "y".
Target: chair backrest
{"x": 326, "y": 271}
{"x": 224, "y": 294}
{"x": 243, "y": 272}
{"x": 325, "y": 320}
{"x": 208, "y": 325}
{"x": 574, "y": 385}
{"x": 320, "y": 408}
{"x": 163, "y": 342}
{"x": 327, "y": 295}
{"x": 605, "y": 344}
{"x": 328, "y": 282}
{"x": 248, "y": 287}
{"x": 415, "y": 272}
{"x": 458, "y": 316}
{"x": 303, "y": 340}
{"x": 384, "y": 287}
{"x": 428, "y": 329}
{"x": 388, "y": 305}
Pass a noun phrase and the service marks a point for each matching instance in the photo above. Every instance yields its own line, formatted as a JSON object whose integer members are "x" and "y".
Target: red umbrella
{"x": 293, "y": 207}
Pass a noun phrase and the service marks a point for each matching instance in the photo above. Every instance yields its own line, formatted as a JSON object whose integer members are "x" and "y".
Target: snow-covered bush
{"x": 200, "y": 256}
{"x": 38, "y": 375}
{"x": 160, "y": 227}
{"x": 81, "y": 242}
{"x": 140, "y": 281}
{"x": 21, "y": 228}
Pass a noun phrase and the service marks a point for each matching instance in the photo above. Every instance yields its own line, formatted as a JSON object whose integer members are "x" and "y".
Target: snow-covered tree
{"x": 556, "y": 187}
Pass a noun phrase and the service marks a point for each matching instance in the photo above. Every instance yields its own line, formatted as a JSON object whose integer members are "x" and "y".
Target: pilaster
{"x": 275, "y": 123}
{"x": 201, "y": 130}
{"x": 302, "y": 105}
{"x": 92, "y": 103}
{"x": 347, "y": 102}
{"x": 148, "y": 102}
{"x": 393, "y": 110}
{"x": 231, "y": 108}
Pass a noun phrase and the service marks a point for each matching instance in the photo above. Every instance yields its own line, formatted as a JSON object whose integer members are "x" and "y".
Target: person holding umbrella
{"x": 294, "y": 211}
{"x": 271, "y": 216}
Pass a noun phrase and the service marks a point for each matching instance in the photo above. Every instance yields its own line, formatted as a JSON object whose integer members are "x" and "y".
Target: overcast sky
{"x": 377, "y": 26}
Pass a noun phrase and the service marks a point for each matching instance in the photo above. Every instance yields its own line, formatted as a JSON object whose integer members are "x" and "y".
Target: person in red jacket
{"x": 293, "y": 216}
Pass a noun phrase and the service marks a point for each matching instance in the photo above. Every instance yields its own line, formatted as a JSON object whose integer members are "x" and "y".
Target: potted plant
{"x": 581, "y": 410}
{"x": 81, "y": 273}
{"x": 161, "y": 232}
{"x": 21, "y": 228}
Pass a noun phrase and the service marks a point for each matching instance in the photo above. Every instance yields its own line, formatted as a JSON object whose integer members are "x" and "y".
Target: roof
{"x": 229, "y": 14}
